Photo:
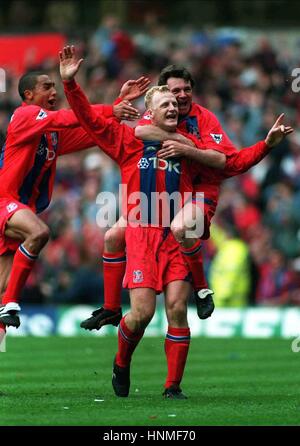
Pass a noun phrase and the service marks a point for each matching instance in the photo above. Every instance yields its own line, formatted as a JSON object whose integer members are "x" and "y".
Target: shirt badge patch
{"x": 11, "y": 207}
{"x": 143, "y": 163}
{"x": 138, "y": 276}
{"x": 217, "y": 137}
{"x": 42, "y": 115}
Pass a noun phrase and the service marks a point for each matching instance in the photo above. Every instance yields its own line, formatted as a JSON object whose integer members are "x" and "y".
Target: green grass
{"x": 55, "y": 381}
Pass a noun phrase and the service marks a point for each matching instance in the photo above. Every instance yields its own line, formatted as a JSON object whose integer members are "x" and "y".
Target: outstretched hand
{"x": 69, "y": 64}
{"x": 133, "y": 89}
{"x": 278, "y": 132}
{"x": 124, "y": 110}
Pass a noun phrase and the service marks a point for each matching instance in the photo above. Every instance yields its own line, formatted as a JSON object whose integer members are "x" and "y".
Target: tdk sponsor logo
{"x": 144, "y": 163}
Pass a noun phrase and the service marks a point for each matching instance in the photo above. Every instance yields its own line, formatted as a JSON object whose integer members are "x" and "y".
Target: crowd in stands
{"x": 253, "y": 256}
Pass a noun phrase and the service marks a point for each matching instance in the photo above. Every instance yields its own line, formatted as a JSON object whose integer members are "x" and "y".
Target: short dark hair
{"x": 28, "y": 81}
{"x": 175, "y": 71}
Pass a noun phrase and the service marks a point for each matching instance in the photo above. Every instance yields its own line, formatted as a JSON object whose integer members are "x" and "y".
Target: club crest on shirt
{"x": 42, "y": 115}
{"x": 217, "y": 137}
{"x": 138, "y": 276}
{"x": 11, "y": 207}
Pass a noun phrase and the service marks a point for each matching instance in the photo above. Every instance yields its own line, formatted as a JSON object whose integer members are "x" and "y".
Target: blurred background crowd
{"x": 242, "y": 74}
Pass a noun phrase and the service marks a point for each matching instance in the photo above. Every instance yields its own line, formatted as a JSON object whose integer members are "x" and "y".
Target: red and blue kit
{"x": 143, "y": 174}
{"x": 35, "y": 138}
{"x": 206, "y": 129}
{"x": 153, "y": 259}
{"x": 204, "y": 125}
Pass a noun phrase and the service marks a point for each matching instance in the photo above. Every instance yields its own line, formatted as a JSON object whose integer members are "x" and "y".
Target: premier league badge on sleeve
{"x": 11, "y": 207}
{"x": 217, "y": 137}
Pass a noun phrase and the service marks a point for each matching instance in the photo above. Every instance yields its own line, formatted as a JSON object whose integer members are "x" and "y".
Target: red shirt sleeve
{"x": 104, "y": 109}
{"x": 108, "y": 134}
{"x": 212, "y": 134}
{"x": 73, "y": 140}
{"x": 193, "y": 138}
{"x": 118, "y": 100}
{"x": 145, "y": 119}
{"x": 240, "y": 161}
{"x": 31, "y": 120}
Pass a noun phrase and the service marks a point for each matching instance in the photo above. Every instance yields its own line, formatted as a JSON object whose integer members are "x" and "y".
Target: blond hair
{"x": 151, "y": 92}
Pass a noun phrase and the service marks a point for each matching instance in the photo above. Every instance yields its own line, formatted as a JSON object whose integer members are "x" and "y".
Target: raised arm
{"x": 107, "y": 134}
{"x": 239, "y": 162}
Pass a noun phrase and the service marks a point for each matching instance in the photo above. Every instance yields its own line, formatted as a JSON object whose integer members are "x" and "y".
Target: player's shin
{"x": 22, "y": 266}
{"x": 114, "y": 265}
{"x": 177, "y": 344}
{"x": 194, "y": 259}
{"x": 127, "y": 343}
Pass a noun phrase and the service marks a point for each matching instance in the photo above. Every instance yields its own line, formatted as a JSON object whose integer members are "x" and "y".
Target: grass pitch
{"x": 58, "y": 381}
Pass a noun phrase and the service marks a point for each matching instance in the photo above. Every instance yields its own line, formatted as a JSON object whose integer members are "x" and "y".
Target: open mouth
{"x": 52, "y": 102}
{"x": 172, "y": 116}
{"x": 182, "y": 104}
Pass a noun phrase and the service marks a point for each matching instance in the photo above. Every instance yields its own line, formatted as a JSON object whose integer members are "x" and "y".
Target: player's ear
{"x": 28, "y": 94}
{"x": 150, "y": 113}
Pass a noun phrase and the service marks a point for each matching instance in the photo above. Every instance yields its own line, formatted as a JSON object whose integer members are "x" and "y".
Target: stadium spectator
{"x": 277, "y": 284}
{"x": 114, "y": 44}
{"x": 230, "y": 274}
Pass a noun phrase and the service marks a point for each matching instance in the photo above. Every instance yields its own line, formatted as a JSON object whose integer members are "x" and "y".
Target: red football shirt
{"x": 141, "y": 171}
{"x": 35, "y": 137}
{"x": 204, "y": 125}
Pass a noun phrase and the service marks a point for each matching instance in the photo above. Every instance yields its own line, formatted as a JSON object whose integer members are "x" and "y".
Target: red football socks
{"x": 22, "y": 265}
{"x": 114, "y": 266}
{"x": 194, "y": 259}
{"x": 127, "y": 342}
{"x": 177, "y": 344}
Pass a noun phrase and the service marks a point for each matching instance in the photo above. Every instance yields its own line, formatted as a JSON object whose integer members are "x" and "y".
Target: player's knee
{"x": 142, "y": 317}
{"x": 40, "y": 235}
{"x": 177, "y": 311}
{"x": 178, "y": 232}
{"x": 114, "y": 240}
